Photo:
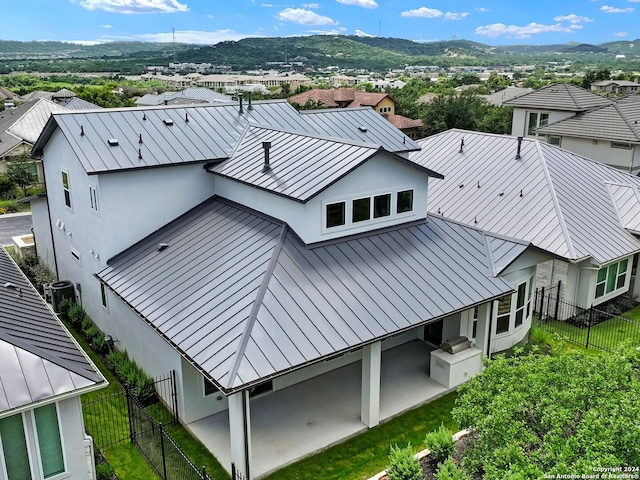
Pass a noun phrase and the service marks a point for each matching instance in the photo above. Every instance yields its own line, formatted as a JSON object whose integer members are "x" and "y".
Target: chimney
{"x": 240, "y": 100}
{"x": 519, "y": 148}
{"x": 266, "y": 146}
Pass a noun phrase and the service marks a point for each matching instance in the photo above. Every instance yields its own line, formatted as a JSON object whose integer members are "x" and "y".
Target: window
{"x": 611, "y": 278}
{"x": 474, "y": 330}
{"x": 16, "y": 443}
{"x": 520, "y": 303}
{"x": 93, "y": 198}
{"x": 103, "y": 295}
{"x": 621, "y": 145}
{"x": 382, "y": 205}
{"x": 75, "y": 254}
{"x": 361, "y": 209}
{"x": 537, "y": 120}
{"x": 405, "y": 201}
{"x": 530, "y": 288}
{"x": 66, "y": 188}
{"x": 335, "y": 214}
{"x": 209, "y": 388}
{"x": 554, "y": 141}
{"x": 504, "y": 314}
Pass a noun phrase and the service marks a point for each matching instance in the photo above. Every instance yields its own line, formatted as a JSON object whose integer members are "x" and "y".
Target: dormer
{"x": 322, "y": 187}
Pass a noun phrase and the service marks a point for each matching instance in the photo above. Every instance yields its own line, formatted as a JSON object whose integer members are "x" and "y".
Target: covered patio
{"x": 297, "y": 421}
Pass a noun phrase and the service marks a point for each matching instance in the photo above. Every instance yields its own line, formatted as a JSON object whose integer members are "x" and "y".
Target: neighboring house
{"x": 550, "y": 104}
{"x": 8, "y": 95}
{"x": 353, "y": 98}
{"x": 608, "y": 134}
{"x": 282, "y": 263}
{"x": 615, "y": 87}
{"x": 579, "y": 211}
{"x": 43, "y": 372}
{"x": 187, "y": 96}
{"x": 498, "y": 98}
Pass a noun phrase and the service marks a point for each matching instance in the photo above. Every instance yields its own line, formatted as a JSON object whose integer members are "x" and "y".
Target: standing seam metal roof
{"x": 241, "y": 297}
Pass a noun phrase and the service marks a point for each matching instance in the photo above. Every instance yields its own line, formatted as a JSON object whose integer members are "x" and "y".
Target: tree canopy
{"x": 534, "y": 415}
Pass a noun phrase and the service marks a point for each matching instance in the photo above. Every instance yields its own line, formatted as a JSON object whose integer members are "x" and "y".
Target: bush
{"x": 104, "y": 471}
{"x": 140, "y": 385}
{"x": 76, "y": 315}
{"x": 402, "y": 465}
{"x": 64, "y": 306}
{"x": 440, "y": 443}
{"x": 9, "y": 206}
{"x": 86, "y": 325}
{"x": 43, "y": 274}
{"x": 448, "y": 470}
{"x": 99, "y": 343}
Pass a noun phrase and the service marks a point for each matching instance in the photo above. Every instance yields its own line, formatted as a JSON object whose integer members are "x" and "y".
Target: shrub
{"x": 64, "y": 306}
{"x": 99, "y": 343}
{"x": 9, "y": 206}
{"x": 43, "y": 274}
{"x": 448, "y": 470}
{"x": 86, "y": 324}
{"x": 76, "y": 315}
{"x": 440, "y": 443}
{"x": 104, "y": 471}
{"x": 140, "y": 385}
{"x": 402, "y": 465}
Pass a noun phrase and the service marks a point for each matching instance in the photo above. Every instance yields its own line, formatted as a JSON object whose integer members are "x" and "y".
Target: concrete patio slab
{"x": 295, "y": 422}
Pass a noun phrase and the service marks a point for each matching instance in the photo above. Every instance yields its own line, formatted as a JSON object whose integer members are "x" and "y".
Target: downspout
{"x": 633, "y": 151}
{"x": 490, "y": 328}
{"x": 247, "y": 460}
{"x": 53, "y": 242}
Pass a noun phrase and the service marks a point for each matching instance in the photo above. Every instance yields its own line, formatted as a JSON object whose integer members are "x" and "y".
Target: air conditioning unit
{"x": 456, "y": 345}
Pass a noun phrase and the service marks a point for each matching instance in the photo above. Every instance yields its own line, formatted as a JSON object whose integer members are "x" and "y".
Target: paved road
{"x": 14, "y": 225}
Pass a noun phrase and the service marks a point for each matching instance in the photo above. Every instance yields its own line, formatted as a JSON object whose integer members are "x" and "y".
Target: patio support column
{"x": 370, "y": 397}
{"x": 483, "y": 327}
{"x": 240, "y": 433}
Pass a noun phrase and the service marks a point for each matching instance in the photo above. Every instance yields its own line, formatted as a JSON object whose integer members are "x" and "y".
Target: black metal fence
{"x": 588, "y": 327}
{"x": 119, "y": 417}
{"x": 236, "y": 474}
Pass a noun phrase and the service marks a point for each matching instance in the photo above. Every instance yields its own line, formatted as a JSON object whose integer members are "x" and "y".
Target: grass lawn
{"x": 367, "y": 454}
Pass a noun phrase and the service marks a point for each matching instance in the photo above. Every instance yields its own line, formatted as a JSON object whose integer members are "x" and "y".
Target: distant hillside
{"x": 585, "y": 48}
{"x": 19, "y": 50}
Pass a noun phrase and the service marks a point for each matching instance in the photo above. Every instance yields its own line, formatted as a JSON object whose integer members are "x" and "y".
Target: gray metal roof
{"x": 243, "y": 299}
{"x": 362, "y": 124}
{"x": 197, "y": 94}
{"x": 617, "y": 122}
{"x": 498, "y": 98}
{"x": 39, "y": 358}
{"x": 560, "y": 96}
{"x": 170, "y": 135}
{"x": 626, "y": 199}
{"x": 26, "y": 122}
{"x": 75, "y": 103}
{"x": 504, "y": 251}
{"x": 555, "y": 199}
{"x": 301, "y": 165}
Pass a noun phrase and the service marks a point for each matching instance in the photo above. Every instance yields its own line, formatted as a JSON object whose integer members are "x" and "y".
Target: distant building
{"x": 617, "y": 87}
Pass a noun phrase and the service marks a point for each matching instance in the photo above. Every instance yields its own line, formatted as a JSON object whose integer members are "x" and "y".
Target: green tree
{"x": 7, "y": 187}
{"x": 534, "y": 415}
{"x": 19, "y": 171}
{"x": 452, "y": 111}
{"x": 496, "y": 120}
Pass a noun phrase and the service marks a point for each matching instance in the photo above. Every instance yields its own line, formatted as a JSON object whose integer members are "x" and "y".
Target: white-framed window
{"x": 521, "y": 300}
{"x": 555, "y": 141}
{"x": 93, "y": 198}
{"x": 66, "y": 187}
{"x": 536, "y": 120}
{"x": 611, "y": 278}
{"x": 621, "y": 145}
{"x": 359, "y": 209}
{"x": 504, "y": 314}
{"x": 516, "y": 306}
{"x": 103, "y": 296}
{"x": 22, "y": 448}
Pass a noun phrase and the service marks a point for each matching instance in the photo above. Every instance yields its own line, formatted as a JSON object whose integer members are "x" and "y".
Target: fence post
{"x": 589, "y": 325}
{"x": 132, "y": 432}
{"x": 233, "y": 471}
{"x": 541, "y": 302}
{"x": 164, "y": 460}
{"x": 555, "y": 316}
{"x": 204, "y": 472}
{"x": 174, "y": 396}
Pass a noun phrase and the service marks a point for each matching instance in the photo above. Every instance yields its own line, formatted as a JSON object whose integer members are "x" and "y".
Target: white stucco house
{"x": 43, "y": 372}
{"x": 284, "y": 264}
{"x": 578, "y": 212}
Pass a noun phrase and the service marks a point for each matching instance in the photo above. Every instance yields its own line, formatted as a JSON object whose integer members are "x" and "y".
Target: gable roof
{"x": 339, "y": 97}
{"x": 401, "y": 122}
{"x": 188, "y": 95}
{"x": 501, "y": 96}
{"x": 627, "y": 201}
{"x": 40, "y": 360}
{"x": 27, "y": 121}
{"x": 244, "y": 300}
{"x": 301, "y": 165}
{"x": 559, "y": 96}
{"x": 555, "y": 199}
{"x": 616, "y": 122}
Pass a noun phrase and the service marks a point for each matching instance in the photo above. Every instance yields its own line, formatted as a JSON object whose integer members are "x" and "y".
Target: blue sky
{"x": 495, "y": 22}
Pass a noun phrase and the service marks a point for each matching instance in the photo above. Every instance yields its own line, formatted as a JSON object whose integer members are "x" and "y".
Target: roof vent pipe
{"x": 249, "y": 107}
{"x": 240, "y": 100}
{"x": 266, "y": 146}
{"x": 461, "y": 146}
{"x": 519, "y": 148}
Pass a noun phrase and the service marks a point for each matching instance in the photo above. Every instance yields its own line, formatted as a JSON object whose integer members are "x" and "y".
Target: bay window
{"x": 611, "y": 278}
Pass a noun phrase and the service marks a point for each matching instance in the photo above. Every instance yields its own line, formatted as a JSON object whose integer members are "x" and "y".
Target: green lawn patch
{"x": 367, "y": 454}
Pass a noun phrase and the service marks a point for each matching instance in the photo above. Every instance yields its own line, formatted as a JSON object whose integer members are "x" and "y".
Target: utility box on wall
{"x": 452, "y": 370}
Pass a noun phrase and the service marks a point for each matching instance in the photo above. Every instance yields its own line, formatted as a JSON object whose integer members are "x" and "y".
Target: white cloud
{"x": 360, "y": 33}
{"x": 86, "y": 43}
{"x": 267, "y": 5}
{"x": 198, "y": 37}
{"x": 315, "y": 6}
{"x": 423, "y": 12}
{"x": 608, "y": 9}
{"x": 136, "y": 6}
{"x": 304, "y": 17}
{"x": 516, "y": 31}
{"x": 360, "y": 3}
{"x": 106, "y": 25}
{"x": 455, "y": 16}
{"x": 620, "y": 34}
{"x": 335, "y": 31}
{"x": 483, "y": 9}
{"x": 573, "y": 18}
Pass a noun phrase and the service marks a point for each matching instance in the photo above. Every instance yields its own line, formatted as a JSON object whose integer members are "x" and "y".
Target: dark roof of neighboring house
{"x": 75, "y": 103}
{"x": 40, "y": 360}
{"x": 401, "y": 122}
{"x": 196, "y": 133}
{"x": 63, "y": 93}
{"x": 555, "y": 199}
{"x": 6, "y": 94}
{"x": 301, "y": 165}
{"x": 501, "y": 96}
{"x": 339, "y": 97}
{"x": 560, "y": 96}
{"x": 243, "y": 299}
{"x": 621, "y": 83}
{"x": 615, "y": 122}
